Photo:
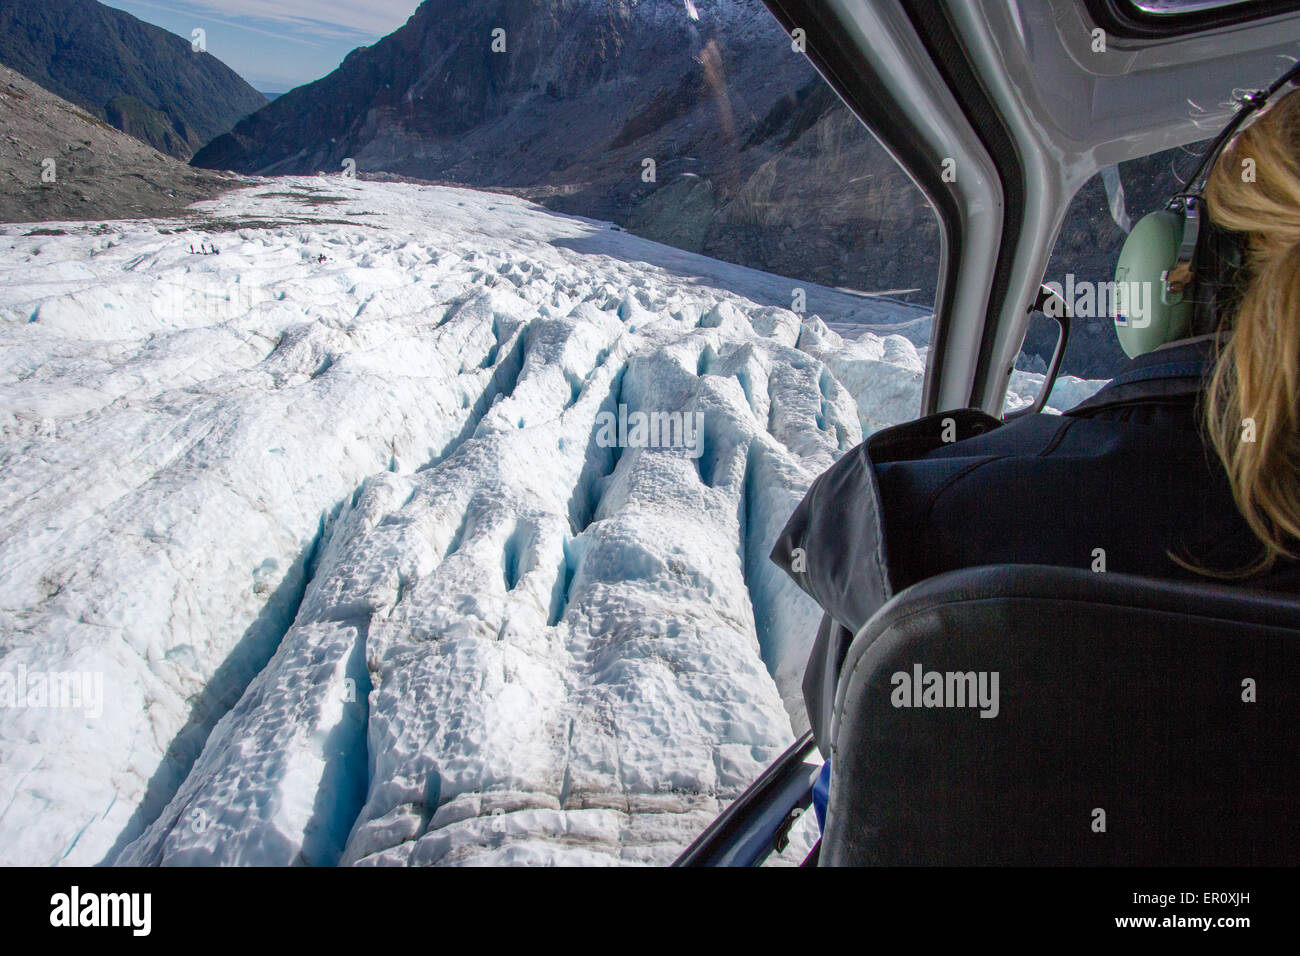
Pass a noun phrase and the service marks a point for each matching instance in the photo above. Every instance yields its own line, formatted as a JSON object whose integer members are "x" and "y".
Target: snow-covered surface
{"x": 330, "y": 519}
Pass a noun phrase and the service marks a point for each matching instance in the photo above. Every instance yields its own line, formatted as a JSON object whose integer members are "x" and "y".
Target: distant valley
{"x": 711, "y": 134}
{"x": 134, "y": 76}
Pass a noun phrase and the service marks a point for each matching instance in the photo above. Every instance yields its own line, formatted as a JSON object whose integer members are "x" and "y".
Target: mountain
{"x": 94, "y": 171}
{"x": 137, "y": 77}
{"x": 756, "y": 161}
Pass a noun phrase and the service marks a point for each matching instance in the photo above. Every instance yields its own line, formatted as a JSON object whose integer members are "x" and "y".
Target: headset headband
{"x": 1250, "y": 103}
{"x": 1188, "y": 202}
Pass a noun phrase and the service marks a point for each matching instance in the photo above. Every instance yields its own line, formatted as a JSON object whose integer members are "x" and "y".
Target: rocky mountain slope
{"x": 59, "y": 163}
{"x": 137, "y": 77}
{"x": 755, "y": 161}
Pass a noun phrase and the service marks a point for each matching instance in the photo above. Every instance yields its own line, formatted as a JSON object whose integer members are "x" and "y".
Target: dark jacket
{"x": 1115, "y": 484}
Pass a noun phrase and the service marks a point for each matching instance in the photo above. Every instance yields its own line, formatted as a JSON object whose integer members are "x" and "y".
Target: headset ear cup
{"x": 1146, "y": 315}
{"x": 1211, "y": 288}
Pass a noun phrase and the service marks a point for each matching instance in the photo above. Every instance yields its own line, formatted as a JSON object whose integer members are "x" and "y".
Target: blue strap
{"x": 821, "y": 795}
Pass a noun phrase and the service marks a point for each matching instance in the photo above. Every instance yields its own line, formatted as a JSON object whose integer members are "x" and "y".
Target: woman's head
{"x": 1253, "y": 403}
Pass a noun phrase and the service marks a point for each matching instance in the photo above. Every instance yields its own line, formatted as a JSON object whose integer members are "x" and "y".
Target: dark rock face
{"x": 137, "y": 77}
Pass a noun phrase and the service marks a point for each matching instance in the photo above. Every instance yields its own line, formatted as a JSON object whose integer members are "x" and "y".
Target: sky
{"x": 276, "y": 44}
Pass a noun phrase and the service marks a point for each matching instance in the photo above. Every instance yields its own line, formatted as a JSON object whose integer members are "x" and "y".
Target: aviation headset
{"x": 1189, "y": 265}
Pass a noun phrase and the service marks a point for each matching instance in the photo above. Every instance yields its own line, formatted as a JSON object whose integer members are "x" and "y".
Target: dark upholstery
{"x": 1115, "y": 692}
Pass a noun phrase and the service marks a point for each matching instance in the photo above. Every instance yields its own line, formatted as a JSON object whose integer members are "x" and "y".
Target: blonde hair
{"x": 1252, "y": 404}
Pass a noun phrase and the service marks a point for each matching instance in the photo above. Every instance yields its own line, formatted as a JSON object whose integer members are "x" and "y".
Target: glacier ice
{"x": 328, "y": 517}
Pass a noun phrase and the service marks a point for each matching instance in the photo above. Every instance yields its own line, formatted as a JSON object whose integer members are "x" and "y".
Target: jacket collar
{"x": 1176, "y": 371}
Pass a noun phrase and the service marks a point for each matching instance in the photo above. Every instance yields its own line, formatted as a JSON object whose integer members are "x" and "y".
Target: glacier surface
{"x": 331, "y": 521}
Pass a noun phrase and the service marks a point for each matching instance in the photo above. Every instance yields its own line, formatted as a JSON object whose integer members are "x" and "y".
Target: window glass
{"x": 1082, "y": 265}
{"x": 715, "y": 135}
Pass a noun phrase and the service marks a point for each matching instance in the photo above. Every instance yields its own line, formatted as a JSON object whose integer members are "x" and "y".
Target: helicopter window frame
{"x": 1132, "y": 19}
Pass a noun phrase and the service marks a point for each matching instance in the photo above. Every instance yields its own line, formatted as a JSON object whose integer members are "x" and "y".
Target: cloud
{"x": 329, "y": 20}
{"x": 209, "y": 18}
